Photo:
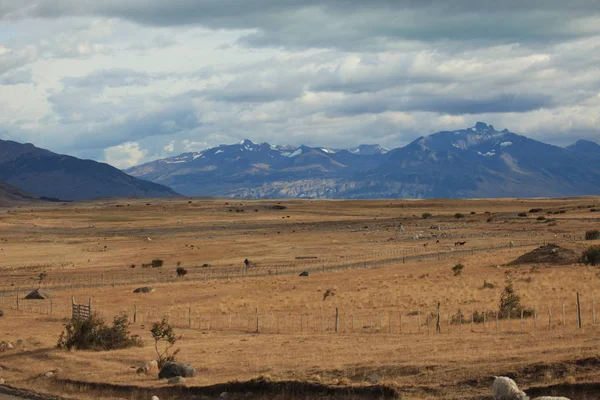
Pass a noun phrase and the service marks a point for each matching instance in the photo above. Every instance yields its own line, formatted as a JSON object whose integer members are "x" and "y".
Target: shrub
{"x": 457, "y": 269}
{"x": 591, "y": 256}
{"x": 510, "y": 304}
{"x": 592, "y": 235}
{"x": 132, "y": 266}
{"x": 94, "y": 334}
{"x": 490, "y": 219}
{"x": 181, "y": 271}
{"x": 488, "y": 285}
{"x": 426, "y": 215}
{"x": 459, "y": 215}
{"x": 164, "y": 339}
{"x": 522, "y": 214}
{"x": 535, "y": 210}
{"x": 473, "y": 213}
{"x": 157, "y": 263}
{"x": 541, "y": 218}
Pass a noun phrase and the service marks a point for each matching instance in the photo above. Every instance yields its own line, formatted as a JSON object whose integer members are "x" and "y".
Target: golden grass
{"x": 69, "y": 241}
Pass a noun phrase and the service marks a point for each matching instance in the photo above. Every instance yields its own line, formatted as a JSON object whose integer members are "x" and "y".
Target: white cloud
{"x": 124, "y": 155}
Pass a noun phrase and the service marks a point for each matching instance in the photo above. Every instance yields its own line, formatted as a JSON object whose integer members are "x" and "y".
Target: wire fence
{"x": 9, "y": 287}
{"x": 575, "y": 314}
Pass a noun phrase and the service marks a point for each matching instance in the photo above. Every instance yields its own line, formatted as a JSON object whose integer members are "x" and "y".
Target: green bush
{"x": 426, "y": 215}
{"x": 162, "y": 332}
{"x": 592, "y": 235}
{"x": 157, "y": 263}
{"x": 459, "y": 215}
{"x": 591, "y": 256}
{"x": 94, "y": 334}
{"x": 510, "y": 304}
{"x": 458, "y": 269}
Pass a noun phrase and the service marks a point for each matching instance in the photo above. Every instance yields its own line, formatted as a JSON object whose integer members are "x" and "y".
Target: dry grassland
{"x": 104, "y": 238}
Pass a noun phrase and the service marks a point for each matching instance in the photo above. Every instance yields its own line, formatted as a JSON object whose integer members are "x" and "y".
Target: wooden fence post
{"x": 256, "y": 314}
{"x": 497, "y": 327}
{"x": 472, "y": 318}
{"x": 134, "y": 313}
{"x": 337, "y": 319}
{"x": 578, "y": 312}
{"x": 51, "y": 307}
{"x": 534, "y": 318}
{"x": 549, "y": 318}
{"x": 438, "y": 326}
{"x": 419, "y": 320}
{"x": 399, "y": 322}
{"x": 521, "y": 320}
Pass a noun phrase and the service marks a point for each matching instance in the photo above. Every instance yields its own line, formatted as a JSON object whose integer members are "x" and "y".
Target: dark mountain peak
{"x": 585, "y": 146}
{"x": 52, "y": 175}
{"x": 482, "y": 127}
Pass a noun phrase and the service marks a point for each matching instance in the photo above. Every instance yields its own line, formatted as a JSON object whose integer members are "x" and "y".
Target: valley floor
{"x": 387, "y": 303}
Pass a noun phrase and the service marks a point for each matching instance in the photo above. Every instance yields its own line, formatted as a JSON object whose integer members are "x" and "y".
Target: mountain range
{"x": 474, "y": 162}
{"x": 46, "y": 174}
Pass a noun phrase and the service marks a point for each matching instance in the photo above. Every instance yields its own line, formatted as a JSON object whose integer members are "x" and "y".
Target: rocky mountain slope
{"x": 48, "y": 174}
{"x": 474, "y": 162}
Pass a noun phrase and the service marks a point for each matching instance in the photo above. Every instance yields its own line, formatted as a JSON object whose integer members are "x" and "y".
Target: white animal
{"x": 505, "y": 388}
{"x": 550, "y": 398}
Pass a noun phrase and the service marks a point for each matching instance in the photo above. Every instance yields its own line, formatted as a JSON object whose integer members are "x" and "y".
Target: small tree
{"x": 457, "y": 269}
{"x": 592, "y": 235}
{"x": 426, "y": 215}
{"x": 459, "y": 215}
{"x": 510, "y": 303}
{"x": 94, "y": 334}
{"x": 164, "y": 337}
{"x": 41, "y": 278}
{"x": 591, "y": 256}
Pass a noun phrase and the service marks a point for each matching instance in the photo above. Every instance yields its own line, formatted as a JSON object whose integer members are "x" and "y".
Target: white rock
{"x": 154, "y": 398}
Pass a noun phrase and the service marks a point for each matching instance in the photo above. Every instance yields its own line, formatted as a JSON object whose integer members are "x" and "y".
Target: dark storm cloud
{"x": 344, "y": 23}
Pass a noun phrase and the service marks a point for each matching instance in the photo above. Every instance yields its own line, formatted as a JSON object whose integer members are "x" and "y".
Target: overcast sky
{"x": 128, "y": 81}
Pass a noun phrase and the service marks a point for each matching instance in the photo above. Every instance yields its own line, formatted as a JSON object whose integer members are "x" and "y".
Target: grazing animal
{"x": 247, "y": 262}
{"x": 550, "y": 398}
{"x": 505, "y": 388}
{"x": 461, "y": 243}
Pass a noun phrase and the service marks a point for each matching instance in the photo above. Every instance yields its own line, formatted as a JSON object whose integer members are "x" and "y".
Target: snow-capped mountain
{"x": 474, "y": 162}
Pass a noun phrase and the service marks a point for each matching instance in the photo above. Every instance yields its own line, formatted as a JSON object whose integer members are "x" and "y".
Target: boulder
{"x": 176, "y": 380}
{"x": 145, "y": 289}
{"x": 305, "y": 273}
{"x": 154, "y": 398}
{"x": 173, "y": 369}
{"x": 374, "y": 378}
{"x": 150, "y": 368}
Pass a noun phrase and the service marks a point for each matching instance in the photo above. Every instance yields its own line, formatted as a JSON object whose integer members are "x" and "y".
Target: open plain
{"x": 384, "y": 265}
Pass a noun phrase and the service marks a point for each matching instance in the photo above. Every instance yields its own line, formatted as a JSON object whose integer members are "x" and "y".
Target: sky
{"x": 127, "y": 82}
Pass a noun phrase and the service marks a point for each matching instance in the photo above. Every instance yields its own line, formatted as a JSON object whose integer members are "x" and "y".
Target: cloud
{"x": 146, "y": 78}
{"x": 16, "y": 77}
{"x": 124, "y": 155}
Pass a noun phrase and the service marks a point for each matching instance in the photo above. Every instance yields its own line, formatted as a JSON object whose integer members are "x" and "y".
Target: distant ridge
{"x": 52, "y": 175}
{"x": 474, "y": 162}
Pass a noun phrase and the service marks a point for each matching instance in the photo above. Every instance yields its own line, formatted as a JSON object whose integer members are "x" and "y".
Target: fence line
{"x": 572, "y": 315}
{"x": 8, "y": 288}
